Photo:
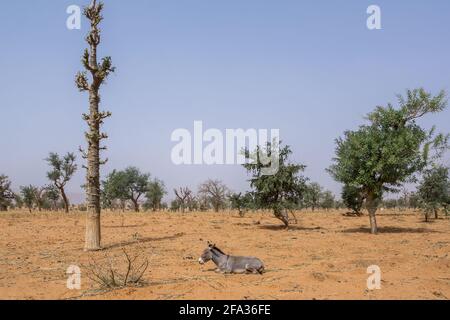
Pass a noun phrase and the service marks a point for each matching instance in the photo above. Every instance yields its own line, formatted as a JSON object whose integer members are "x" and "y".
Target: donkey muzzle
{"x": 201, "y": 261}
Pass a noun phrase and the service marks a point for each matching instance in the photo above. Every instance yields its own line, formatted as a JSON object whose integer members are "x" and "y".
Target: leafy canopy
{"x": 392, "y": 148}
{"x": 280, "y": 191}
{"x": 129, "y": 184}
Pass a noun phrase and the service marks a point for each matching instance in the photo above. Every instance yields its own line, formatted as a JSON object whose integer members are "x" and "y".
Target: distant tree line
{"x": 375, "y": 160}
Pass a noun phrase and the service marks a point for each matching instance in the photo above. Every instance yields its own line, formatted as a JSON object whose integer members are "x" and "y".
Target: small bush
{"x": 108, "y": 276}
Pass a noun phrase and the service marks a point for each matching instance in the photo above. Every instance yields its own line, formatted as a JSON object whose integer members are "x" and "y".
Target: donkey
{"x": 229, "y": 264}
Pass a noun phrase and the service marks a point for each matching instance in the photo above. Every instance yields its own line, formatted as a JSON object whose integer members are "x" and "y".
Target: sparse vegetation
{"x": 109, "y": 276}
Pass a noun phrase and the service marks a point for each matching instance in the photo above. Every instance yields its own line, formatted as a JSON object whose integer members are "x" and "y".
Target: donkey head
{"x": 207, "y": 254}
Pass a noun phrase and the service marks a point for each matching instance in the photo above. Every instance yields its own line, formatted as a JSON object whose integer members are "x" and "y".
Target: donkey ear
{"x": 211, "y": 245}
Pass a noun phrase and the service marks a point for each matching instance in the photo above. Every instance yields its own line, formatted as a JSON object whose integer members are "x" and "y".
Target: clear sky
{"x": 309, "y": 68}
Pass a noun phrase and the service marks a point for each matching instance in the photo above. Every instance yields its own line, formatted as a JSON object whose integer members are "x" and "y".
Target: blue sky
{"x": 309, "y": 68}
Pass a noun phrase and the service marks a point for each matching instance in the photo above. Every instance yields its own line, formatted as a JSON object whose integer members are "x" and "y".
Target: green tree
{"x": 282, "y": 190}
{"x": 99, "y": 72}
{"x": 414, "y": 200}
{"x": 433, "y": 190}
{"x": 352, "y": 198}
{"x": 127, "y": 185}
{"x": 29, "y": 196}
{"x": 53, "y": 194}
{"x": 312, "y": 195}
{"x": 6, "y": 195}
{"x": 18, "y": 201}
{"x": 175, "y": 205}
{"x": 390, "y": 150}
{"x": 327, "y": 200}
{"x": 155, "y": 193}
{"x": 62, "y": 170}
{"x": 241, "y": 202}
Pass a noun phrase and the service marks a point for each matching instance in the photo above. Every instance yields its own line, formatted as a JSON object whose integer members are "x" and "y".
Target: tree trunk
{"x": 372, "y": 208}
{"x": 283, "y": 216}
{"x": 93, "y": 231}
{"x": 66, "y": 201}
{"x": 436, "y": 213}
{"x": 93, "y": 236}
{"x": 94, "y": 119}
{"x": 3, "y": 208}
{"x": 136, "y": 205}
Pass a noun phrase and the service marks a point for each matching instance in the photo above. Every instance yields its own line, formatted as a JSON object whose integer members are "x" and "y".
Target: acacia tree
{"x": 127, "y": 185}
{"x": 215, "y": 192}
{"x": 6, "y": 195}
{"x": 313, "y": 195}
{"x": 390, "y": 150}
{"x": 433, "y": 190}
{"x": 352, "y": 198}
{"x": 29, "y": 196}
{"x": 280, "y": 191}
{"x": 62, "y": 170}
{"x": 183, "y": 196}
{"x": 53, "y": 194}
{"x": 155, "y": 193}
{"x": 99, "y": 72}
{"x": 327, "y": 200}
{"x": 241, "y": 202}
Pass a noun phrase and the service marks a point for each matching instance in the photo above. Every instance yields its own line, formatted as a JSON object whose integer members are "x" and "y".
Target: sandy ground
{"x": 324, "y": 257}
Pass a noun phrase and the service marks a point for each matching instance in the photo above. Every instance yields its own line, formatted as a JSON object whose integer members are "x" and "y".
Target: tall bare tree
{"x": 98, "y": 74}
{"x": 183, "y": 195}
{"x": 216, "y": 193}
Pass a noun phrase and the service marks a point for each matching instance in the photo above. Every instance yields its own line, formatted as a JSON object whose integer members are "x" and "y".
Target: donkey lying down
{"x": 231, "y": 264}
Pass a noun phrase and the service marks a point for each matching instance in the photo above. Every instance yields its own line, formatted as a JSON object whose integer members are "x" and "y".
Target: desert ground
{"x": 325, "y": 256}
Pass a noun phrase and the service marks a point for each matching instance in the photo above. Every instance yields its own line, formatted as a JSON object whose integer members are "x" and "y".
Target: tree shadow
{"x": 291, "y": 228}
{"x": 142, "y": 240}
{"x": 126, "y": 226}
{"x": 390, "y": 230}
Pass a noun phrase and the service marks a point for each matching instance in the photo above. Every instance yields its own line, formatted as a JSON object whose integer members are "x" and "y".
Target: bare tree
{"x": 216, "y": 192}
{"x": 40, "y": 197}
{"x": 99, "y": 73}
{"x": 183, "y": 195}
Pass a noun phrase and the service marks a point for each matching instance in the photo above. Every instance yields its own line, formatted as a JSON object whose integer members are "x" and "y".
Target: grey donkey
{"x": 231, "y": 264}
